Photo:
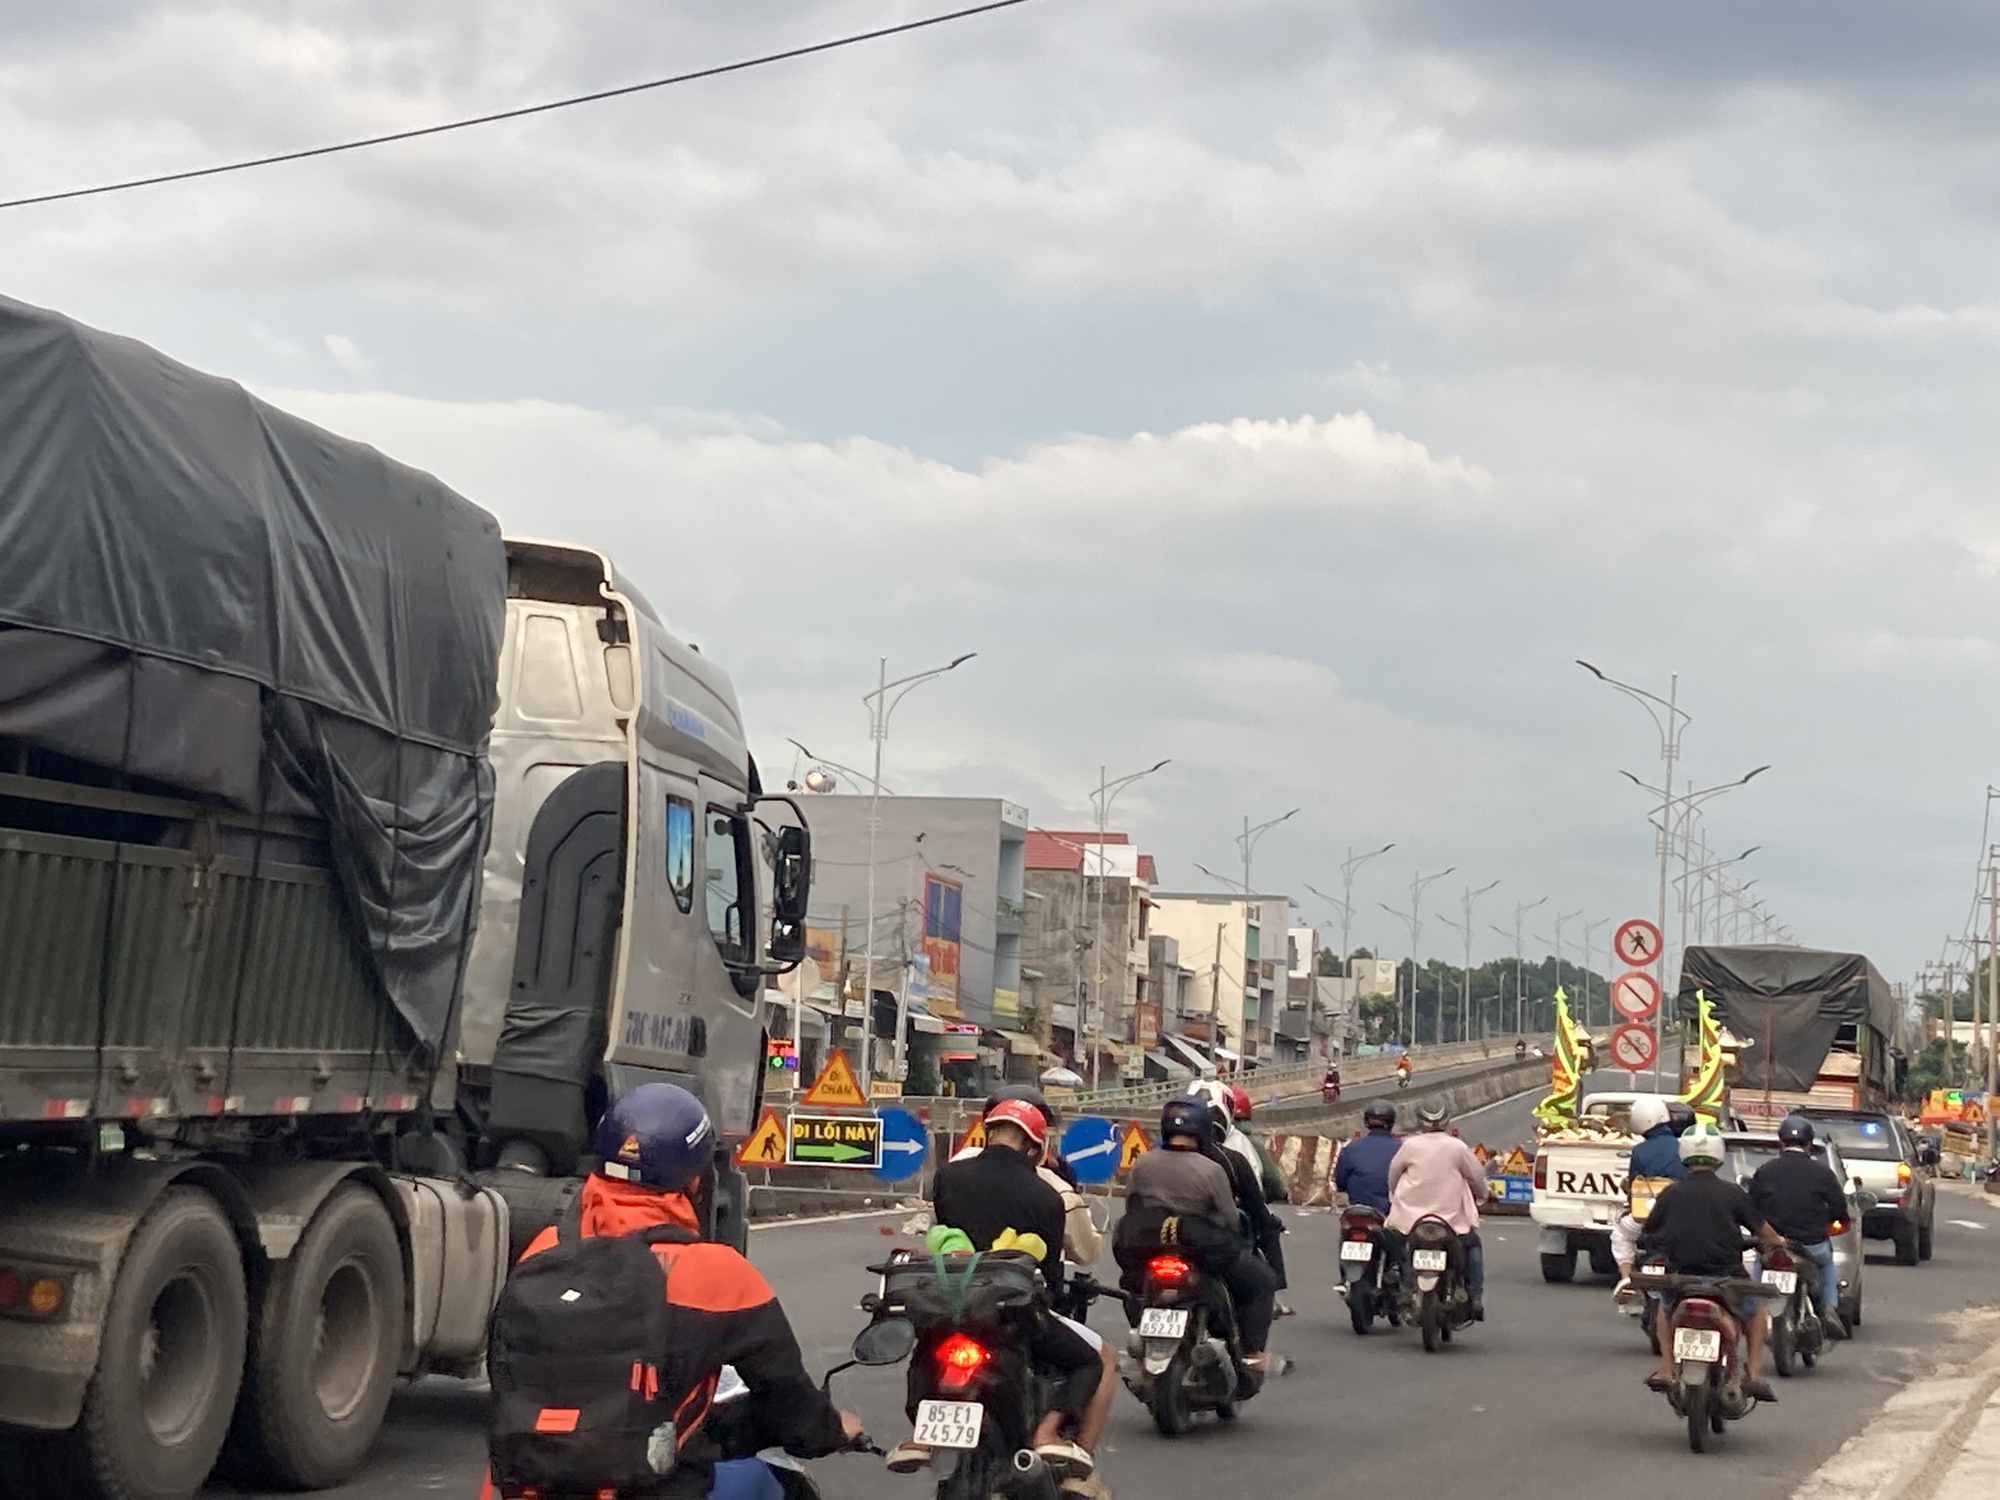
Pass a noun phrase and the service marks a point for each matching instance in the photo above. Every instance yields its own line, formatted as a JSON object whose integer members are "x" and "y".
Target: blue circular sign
{"x": 905, "y": 1144}
{"x": 1090, "y": 1146}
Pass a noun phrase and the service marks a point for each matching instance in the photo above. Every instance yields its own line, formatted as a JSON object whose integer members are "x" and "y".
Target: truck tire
{"x": 1559, "y": 1267}
{"x": 1926, "y": 1239}
{"x": 328, "y": 1341}
{"x": 158, "y": 1407}
{"x": 1905, "y": 1239}
{"x": 1602, "y": 1262}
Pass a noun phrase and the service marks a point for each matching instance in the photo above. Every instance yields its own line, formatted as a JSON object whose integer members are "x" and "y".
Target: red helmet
{"x": 1239, "y": 1101}
{"x": 1023, "y": 1115}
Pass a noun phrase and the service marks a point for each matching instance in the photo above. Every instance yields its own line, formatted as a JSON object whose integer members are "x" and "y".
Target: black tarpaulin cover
{"x": 191, "y": 541}
{"x": 1788, "y": 1002}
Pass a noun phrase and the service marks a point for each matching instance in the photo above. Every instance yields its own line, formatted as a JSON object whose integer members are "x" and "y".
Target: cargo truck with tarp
{"x": 351, "y": 857}
{"x": 1808, "y": 1028}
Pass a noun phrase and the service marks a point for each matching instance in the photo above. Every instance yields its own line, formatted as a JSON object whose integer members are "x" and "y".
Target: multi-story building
{"x": 1237, "y": 948}
{"x": 945, "y": 929}
{"x": 1086, "y": 968}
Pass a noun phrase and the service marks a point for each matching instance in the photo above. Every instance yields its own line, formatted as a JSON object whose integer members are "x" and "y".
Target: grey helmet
{"x": 1433, "y": 1115}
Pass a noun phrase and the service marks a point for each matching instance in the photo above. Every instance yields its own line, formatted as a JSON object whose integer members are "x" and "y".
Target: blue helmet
{"x": 657, "y": 1135}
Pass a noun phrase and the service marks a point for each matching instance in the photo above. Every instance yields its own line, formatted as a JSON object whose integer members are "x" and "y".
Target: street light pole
{"x": 1419, "y": 883}
{"x": 1246, "y": 844}
{"x": 880, "y": 706}
{"x": 1345, "y": 906}
{"x": 1520, "y": 921}
{"x": 1562, "y": 917}
{"x": 1106, "y": 793}
{"x": 1464, "y": 929}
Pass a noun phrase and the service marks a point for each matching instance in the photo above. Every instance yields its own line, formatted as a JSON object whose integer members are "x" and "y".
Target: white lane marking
{"x": 1966, "y": 1223}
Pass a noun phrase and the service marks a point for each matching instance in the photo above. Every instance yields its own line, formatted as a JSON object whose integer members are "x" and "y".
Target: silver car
{"x": 1893, "y": 1165}
{"x": 1745, "y": 1153}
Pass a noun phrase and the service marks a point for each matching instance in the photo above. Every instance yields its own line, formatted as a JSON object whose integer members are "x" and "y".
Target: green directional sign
{"x": 834, "y": 1141}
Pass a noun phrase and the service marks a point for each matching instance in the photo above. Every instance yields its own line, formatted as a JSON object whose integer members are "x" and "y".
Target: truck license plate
{"x": 1356, "y": 1250}
{"x": 948, "y": 1424}
{"x": 1163, "y": 1322}
{"x": 1786, "y": 1282}
{"x": 1427, "y": 1260}
{"x": 1703, "y": 1345}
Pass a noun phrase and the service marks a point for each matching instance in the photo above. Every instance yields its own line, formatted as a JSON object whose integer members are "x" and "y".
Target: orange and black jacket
{"x": 720, "y": 1311}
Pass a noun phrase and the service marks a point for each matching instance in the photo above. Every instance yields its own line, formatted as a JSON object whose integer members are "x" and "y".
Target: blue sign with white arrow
{"x": 905, "y": 1144}
{"x": 1090, "y": 1146}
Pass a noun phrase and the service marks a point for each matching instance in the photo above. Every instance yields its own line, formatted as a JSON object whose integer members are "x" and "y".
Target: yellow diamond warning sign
{"x": 835, "y": 1088}
{"x": 766, "y": 1146}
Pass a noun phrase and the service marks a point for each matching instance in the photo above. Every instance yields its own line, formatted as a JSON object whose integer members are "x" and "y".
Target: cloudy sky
{"x": 1294, "y": 388}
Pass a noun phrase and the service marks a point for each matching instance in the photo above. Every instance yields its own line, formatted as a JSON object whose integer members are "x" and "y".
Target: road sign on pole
{"x": 1632, "y": 1048}
{"x": 834, "y": 1141}
{"x": 1637, "y": 943}
{"x": 1133, "y": 1145}
{"x": 835, "y": 1087}
{"x": 905, "y": 1144}
{"x": 766, "y": 1145}
{"x": 1635, "y": 995}
{"x": 1090, "y": 1145}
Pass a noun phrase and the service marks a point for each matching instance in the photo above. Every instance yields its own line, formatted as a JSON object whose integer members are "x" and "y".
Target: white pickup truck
{"x": 1580, "y": 1186}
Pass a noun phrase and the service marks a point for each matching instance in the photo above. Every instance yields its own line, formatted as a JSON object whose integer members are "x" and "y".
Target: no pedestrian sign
{"x": 1637, "y": 943}
{"x": 1635, "y": 995}
{"x": 834, "y": 1141}
{"x": 1632, "y": 1048}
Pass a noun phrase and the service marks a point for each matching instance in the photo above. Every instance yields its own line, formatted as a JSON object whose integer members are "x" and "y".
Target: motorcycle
{"x": 1798, "y": 1333}
{"x": 1709, "y": 1351}
{"x": 1369, "y": 1277}
{"x": 958, "y": 1319}
{"x": 1329, "y": 1089}
{"x": 1402, "y": 1078}
{"x": 1439, "y": 1300}
{"x": 728, "y": 1406}
{"x": 1185, "y": 1353}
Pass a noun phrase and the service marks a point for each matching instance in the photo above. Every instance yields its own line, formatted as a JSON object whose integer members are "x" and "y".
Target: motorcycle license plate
{"x": 948, "y": 1424}
{"x": 1784, "y": 1282}
{"x": 1163, "y": 1322}
{"x": 1703, "y": 1345}
{"x": 1356, "y": 1250}
{"x": 1427, "y": 1260}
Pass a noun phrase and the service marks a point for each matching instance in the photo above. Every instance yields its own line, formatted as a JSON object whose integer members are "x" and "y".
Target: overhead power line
{"x": 512, "y": 114}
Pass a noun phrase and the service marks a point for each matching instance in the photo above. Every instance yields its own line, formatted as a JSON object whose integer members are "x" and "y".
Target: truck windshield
{"x": 1866, "y": 1137}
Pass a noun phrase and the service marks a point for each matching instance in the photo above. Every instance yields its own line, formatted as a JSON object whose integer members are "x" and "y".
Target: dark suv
{"x": 1889, "y": 1162}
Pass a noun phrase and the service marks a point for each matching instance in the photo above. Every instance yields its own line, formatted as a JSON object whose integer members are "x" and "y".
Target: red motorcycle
{"x": 1710, "y": 1352}
{"x": 1329, "y": 1087}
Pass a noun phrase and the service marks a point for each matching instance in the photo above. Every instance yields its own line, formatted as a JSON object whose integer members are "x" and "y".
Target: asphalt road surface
{"x": 1545, "y": 1397}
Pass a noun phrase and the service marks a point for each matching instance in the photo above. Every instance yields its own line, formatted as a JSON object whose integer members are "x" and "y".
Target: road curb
{"x": 1906, "y": 1451}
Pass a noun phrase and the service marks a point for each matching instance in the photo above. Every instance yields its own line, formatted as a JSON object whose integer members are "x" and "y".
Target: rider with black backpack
{"x": 610, "y": 1337}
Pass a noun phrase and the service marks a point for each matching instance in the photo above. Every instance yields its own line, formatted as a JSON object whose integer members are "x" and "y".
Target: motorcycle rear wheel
{"x": 1430, "y": 1317}
{"x": 1698, "y": 1399}
{"x": 1785, "y": 1345}
{"x": 1171, "y": 1413}
{"x": 979, "y": 1477}
{"x": 1361, "y": 1307}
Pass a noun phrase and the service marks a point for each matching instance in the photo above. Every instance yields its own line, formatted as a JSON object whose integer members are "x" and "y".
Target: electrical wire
{"x": 512, "y": 114}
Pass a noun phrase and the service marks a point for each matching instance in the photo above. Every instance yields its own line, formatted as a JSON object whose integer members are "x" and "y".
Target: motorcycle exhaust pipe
{"x": 1030, "y": 1469}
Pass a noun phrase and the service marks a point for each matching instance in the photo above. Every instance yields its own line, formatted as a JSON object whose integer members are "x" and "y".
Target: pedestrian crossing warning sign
{"x": 1132, "y": 1147}
{"x": 835, "y": 1087}
{"x": 766, "y": 1146}
{"x": 974, "y": 1138}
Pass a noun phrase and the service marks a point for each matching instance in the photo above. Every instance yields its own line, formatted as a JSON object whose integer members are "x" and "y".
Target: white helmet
{"x": 1701, "y": 1146}
{"x": 1648, "y": 1111}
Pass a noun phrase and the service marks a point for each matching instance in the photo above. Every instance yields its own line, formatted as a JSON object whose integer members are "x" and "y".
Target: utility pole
{"x": 1992, "y": 988}
{"x": 1345, "y": 906}
{"x": 1520, "y": 919}
{"x": 1419, "y": 882}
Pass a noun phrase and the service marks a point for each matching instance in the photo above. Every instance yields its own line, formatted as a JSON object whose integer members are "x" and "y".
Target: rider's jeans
{"x": 1821, "y": 1255}
{"x": 1475, "y": 1265}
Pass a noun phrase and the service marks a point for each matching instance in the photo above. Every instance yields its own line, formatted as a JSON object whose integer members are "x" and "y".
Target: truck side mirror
{"x": 791, "y": 892}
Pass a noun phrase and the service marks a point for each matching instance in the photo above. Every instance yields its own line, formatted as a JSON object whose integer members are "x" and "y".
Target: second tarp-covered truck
{"x": 1810, "y": 1028}
{"x": 351, "y": 857}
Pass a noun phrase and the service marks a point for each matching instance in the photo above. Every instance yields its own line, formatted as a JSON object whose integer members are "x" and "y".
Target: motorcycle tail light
{"x": 1837, "y": 1228}
{"x": 1779, "y": 1260}
{"x": 1698, "y": 1312}
{"x": 1170, "y": 1270}
{"x": 959, "y": 1358}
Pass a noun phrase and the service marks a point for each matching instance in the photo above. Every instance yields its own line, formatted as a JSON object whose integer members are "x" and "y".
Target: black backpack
{"x": 574, "y": 1357}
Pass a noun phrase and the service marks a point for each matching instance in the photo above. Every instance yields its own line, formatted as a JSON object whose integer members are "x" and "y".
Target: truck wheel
{"x": 1906, "y": 1244}
{"x": 1559, "y": 1267}
{"x": 1601, "y": 1261}
{"x": 328, "y": 1343}
{"x": 158, "y": 1407}
{"x": 1926, "y": 1237}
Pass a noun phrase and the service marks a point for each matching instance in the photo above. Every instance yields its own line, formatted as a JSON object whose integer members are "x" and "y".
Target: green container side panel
{"x": 205, "y": 961}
